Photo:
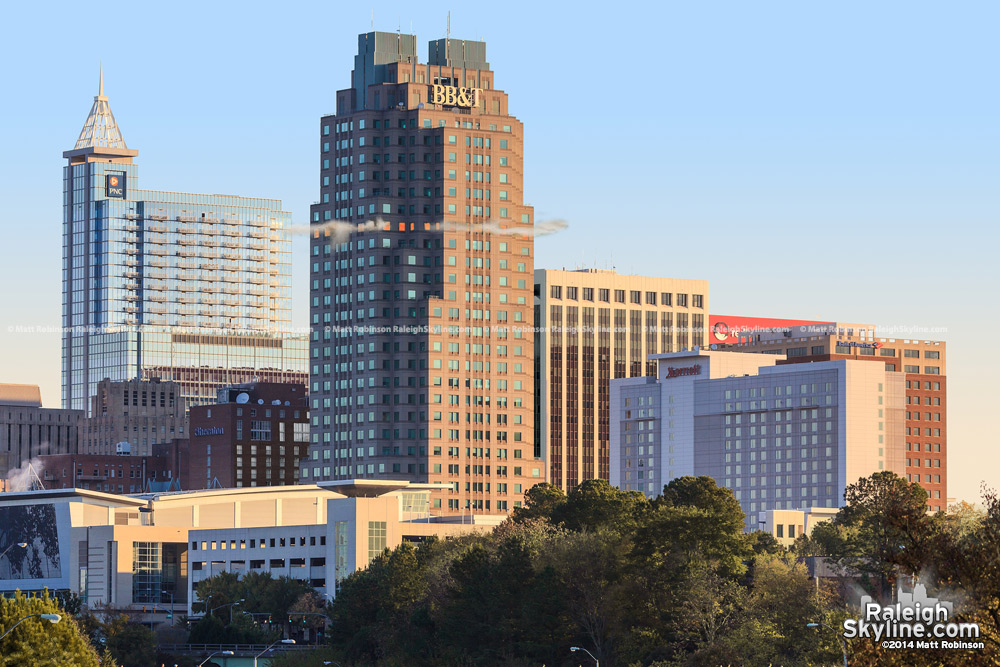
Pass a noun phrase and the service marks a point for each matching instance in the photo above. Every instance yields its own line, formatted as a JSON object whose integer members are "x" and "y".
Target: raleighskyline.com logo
{"x": 916, "y": 621}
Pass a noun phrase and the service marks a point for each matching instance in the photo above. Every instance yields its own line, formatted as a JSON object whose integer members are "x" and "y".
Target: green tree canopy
{"x": 883, "y": 526}
{"x": 38, "y": 642}
{"x": 594, "y": 505}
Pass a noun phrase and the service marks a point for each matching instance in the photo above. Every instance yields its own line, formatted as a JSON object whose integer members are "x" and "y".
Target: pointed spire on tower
{"x": 100, "y": 129}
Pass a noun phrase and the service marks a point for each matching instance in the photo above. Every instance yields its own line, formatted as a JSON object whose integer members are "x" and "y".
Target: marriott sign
{"x": 677, "y": 372}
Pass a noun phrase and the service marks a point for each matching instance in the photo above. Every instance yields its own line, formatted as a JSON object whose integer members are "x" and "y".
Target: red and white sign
{"x": 725, "y": 329}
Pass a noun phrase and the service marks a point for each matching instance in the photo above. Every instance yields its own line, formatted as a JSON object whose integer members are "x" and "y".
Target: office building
{"x": 146, "y": 554}
{"x": 133, "y": 416}
{"x": 594, "y": 326}
{"x": 421, "y": 267}
{"x": 27, "y": 431}
{"x": 922, "y": 361}
{"x": 255, "y": 434}
{"x": 190, "y": 288}
{"x": 780, "y": 436}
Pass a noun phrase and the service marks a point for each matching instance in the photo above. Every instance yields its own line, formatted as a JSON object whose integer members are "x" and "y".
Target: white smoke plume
{"x": 340, "y": 231}
{"x": 21, "y": 479}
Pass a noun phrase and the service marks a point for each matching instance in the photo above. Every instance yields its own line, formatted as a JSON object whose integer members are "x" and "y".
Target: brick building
{"x": 255, "y": 435}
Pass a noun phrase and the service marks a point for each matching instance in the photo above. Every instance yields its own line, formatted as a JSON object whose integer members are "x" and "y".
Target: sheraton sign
{"x": 454, "y": 96}
{"x": 677, "y": 372}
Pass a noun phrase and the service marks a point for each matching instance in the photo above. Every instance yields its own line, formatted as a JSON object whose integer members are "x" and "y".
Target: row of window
{"x": 258, "y": 543}
{"x": 634, "y": 296}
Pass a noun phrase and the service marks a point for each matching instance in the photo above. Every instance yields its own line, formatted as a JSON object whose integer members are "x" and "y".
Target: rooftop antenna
{"x": 448, "y": 31}
{"x": 373, "y": 18}
{"x": 100, "y": 90}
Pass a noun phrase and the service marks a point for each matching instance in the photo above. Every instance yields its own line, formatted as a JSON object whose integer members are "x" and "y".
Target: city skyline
{"x": 883, "y": 173}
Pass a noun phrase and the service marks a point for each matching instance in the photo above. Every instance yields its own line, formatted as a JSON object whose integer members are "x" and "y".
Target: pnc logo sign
{"x": 455, "y": 97}
{"x": 114, "y": 186}
{"x": 677, "y": 372}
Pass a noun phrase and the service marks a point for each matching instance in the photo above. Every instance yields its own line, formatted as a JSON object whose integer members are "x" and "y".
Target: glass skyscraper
{"x": 184, "y": 287}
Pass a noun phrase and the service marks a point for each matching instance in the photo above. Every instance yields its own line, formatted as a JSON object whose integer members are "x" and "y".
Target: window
{"x": 376, "y": 539}
{"x": 619, "y": 296}
{"x": 260, "y": 430}
{"x": 682, "y": 300}
{"x": 698, "y": 300}
{"x": 666, "y": 299}
{"x": 555, "y": 292}
{"x": 146, "y": 570}
{"x": 603, "y": 295}
{"x": 912, "y": 354}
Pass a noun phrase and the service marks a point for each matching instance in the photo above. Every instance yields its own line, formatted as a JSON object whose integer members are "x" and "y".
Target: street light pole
{"x": 52, "y": 618}
{"x": 230, "y": 605}
{"x": 597, "y": 663}
{"x": 843, "y": 642}
{"x": 280, "y": 641}
{"x": 170, "y": 593}
{"x": 200, "y": 664}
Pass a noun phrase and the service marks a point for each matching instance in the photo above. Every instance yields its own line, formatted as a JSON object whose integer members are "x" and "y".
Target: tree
{"x": 885, "y": 527}
{"x": 38, "y": 642}
{"x": 594, "y": 504}
{"x": 763, "y": 542}
{"x": 134, "y": 645}
{"x": 261, "y": 595}
{"x": 107, "y": 659}
{"x": 540, "y": 502}
{"x": 695, "y": 520}
{"x": 968, "y": 548}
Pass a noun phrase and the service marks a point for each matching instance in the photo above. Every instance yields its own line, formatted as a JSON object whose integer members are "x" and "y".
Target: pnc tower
{"x": 190, "y": 288}
{"x": 422, "y": 270}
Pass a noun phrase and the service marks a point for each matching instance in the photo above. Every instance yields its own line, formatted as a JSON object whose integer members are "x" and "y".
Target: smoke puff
{"x": 21, "y": 479}
{"x": 340, "y": 231}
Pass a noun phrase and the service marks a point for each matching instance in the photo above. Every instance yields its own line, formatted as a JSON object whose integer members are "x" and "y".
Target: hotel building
{"x": 922, "y": 361}
{"x": 255, "y": 434}
{"x": 780, "y": 436}
{"x": 195, "y": 289}
{"x": 422, "y": 260}
{"x": 595, "y": 326}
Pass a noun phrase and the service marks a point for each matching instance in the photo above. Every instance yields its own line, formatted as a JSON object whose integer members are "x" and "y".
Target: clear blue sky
{"x": 834, "y": 161}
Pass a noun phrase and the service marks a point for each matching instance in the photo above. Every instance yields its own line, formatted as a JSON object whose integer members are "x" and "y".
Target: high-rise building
{"x": 922, "y": 362}
{"x": 422, "y": 260}
{"x": 184, "y": 287}
{"x": 783, "y": 436}
{"x": 27, "y": 430}
{"x": 133, "y": 416}
{"x": 594, "y": 326}
{"x": 253, "y": 435}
